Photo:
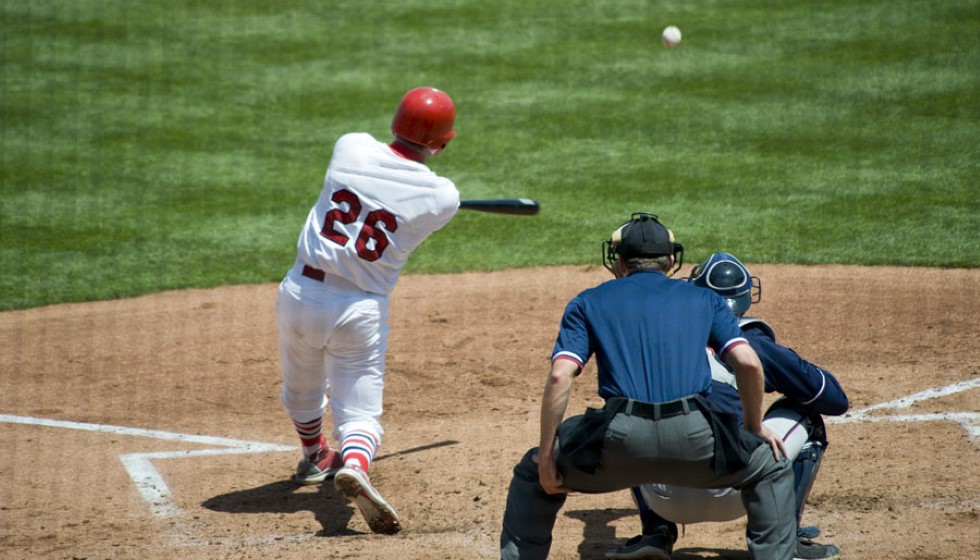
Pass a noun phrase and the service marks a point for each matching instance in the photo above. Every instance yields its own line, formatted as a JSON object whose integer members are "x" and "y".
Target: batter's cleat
{"x": 809, "y": 550}
{"x": 647, "y": 547}
{"x": 354, "y": 484}
{"x": 322, "y": 466}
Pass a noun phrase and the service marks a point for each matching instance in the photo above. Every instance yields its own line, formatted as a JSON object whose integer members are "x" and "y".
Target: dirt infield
{"x": 151, "y": 427}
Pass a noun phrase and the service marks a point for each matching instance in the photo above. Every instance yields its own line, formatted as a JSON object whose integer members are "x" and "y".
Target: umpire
{"x": 648, "y": 334}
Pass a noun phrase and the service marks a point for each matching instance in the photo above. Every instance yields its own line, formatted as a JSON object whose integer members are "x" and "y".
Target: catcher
{"x": 808, "y": 392}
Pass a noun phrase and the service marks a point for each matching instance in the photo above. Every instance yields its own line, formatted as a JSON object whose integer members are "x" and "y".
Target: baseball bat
{"x": 514, "y": 206}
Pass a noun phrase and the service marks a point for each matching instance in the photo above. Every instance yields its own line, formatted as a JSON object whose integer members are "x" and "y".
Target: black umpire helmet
{"x": 643, "y": 236}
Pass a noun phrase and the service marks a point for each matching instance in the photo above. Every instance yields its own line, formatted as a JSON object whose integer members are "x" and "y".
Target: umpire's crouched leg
{"x": 530, "y": 514}
{"x": 768, "y": 499}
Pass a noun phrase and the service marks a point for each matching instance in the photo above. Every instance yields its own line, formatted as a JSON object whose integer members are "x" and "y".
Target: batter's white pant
{"x": 332, "y": 342}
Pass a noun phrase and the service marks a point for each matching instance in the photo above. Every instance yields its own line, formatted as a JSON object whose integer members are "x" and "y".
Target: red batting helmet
{"x": 425, "y": 116}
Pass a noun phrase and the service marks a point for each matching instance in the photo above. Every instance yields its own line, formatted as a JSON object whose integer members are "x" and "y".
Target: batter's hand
{"x": 775, "y": 442}
{"x": 548, "y": 476}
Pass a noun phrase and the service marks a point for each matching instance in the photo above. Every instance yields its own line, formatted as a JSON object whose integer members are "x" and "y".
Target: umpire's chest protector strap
{"x": 733, "y": 443}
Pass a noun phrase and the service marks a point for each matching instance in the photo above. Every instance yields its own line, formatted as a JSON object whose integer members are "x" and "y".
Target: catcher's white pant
{"x": 332, "y": 341}
{"x": 696, "y": 505}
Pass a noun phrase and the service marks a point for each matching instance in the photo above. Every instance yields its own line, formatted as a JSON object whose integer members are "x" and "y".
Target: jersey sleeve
{"x": 789, "y": 374}
{"x": 573, "y": 335}
{"x": 447, "y": 203}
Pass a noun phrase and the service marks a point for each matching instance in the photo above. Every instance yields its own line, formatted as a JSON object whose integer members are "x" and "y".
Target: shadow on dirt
{"x": 417, "y": 449}
{"x": 331, "y": 510}
{"x": 599, "y": 535}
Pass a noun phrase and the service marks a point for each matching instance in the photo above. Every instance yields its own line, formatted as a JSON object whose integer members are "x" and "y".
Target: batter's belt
{"x": 314, "y": 273}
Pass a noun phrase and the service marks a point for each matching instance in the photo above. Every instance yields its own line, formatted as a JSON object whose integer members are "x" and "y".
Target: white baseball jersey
{"x": 375, "y": 209}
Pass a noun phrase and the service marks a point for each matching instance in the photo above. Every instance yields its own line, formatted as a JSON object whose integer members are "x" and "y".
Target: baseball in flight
{"x": 671, "y": 36}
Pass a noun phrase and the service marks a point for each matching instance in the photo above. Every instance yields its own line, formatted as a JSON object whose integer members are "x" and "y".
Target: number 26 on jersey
{"x": 376, "y": 226}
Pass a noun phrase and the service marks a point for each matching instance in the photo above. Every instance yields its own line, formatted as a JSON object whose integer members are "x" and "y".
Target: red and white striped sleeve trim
{"x": 571, "y": 356}
{"x": 738, "y": 341}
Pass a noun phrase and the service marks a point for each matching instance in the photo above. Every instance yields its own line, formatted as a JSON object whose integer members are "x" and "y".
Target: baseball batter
{"x": 378, "y": 204}
{"x": 648, "y": 334}
{"x": 808, "y": 392}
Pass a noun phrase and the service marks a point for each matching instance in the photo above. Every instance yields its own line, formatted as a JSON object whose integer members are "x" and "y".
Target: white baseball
{"x": 671, "y": 37}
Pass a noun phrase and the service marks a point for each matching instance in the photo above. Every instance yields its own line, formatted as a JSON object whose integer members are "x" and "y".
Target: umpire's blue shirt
{"x": 648, "y": 333}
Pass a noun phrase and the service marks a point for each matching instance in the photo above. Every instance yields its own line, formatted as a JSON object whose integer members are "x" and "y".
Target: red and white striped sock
{"x": 311, "y": 435}
{"x": 358, "y": 448}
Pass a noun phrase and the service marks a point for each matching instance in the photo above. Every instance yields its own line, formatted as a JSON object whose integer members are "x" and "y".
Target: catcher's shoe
{"x": 648, "y": 547}
{"x": 808, "y": 532}
{"x": 322, "y": 466}
{"x": 354, "y": 484}
{"x": 809, "y": 550}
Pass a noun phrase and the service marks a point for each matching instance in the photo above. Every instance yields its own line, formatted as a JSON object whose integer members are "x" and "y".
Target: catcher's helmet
{"x": 425, "y": 116}
{"x": 641, "y": 237}
{"x": 727, "y": 276}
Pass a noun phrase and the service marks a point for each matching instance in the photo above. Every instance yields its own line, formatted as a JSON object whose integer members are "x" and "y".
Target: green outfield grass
{"x": 160, "y": 145}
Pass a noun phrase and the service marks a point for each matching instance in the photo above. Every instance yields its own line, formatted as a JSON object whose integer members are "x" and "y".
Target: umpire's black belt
{"x": 583, "y": 443}
{"x": 656, "y": 411}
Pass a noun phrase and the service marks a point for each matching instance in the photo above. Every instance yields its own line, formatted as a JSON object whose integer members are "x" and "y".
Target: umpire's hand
{"x": 775, "y": 442}
{"x": 548, "y": 476}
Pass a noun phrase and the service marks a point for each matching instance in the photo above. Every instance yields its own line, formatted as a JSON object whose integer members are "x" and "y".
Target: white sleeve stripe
{"x": 823, "y": 385}
{"x": 569, "y": 355}
{"x": 730, "y": 343}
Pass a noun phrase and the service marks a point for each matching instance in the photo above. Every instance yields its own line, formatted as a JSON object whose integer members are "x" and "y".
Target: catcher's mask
{"x": 729, "y": 278}
{"x": 641, "y": 237}
{"x": 425, "y": 116}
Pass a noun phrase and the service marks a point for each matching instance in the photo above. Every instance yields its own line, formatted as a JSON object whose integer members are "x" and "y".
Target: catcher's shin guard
{"x": 807, "y": 464}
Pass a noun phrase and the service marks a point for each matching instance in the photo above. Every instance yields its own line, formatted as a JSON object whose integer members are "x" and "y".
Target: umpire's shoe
{"x": 646, "y": 547}
{"x": 809, "y": 550}
{"x": 354, "y": 484}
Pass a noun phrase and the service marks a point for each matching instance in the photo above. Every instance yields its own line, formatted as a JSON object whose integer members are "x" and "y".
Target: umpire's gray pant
{"x": 676, "y": 450}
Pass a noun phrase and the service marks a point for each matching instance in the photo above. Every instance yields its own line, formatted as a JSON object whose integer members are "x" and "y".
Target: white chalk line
{"x": 154, "y": 490}
{"x": 148, "y": 480}
{"x": 969, "y": 420}
{"x": 251, "y": 540}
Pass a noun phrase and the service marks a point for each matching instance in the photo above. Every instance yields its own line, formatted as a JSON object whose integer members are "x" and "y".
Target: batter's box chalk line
{"x": 969, "y": 420}
{"x": 153, "y": 487}
{"x": 148, "y": 480}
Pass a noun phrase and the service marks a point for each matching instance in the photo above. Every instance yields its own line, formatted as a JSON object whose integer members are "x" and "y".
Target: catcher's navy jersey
{"x": 786, "y": 373}
{"x": 671, "y": 320}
